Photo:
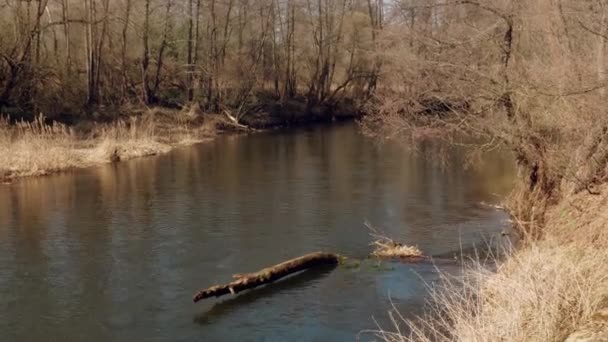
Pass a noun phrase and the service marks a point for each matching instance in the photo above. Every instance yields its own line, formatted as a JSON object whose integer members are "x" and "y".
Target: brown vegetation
{"x": 528, "y": 76}
{"x": 545, "y": 292}
{"x": 548, "y": 290}
{"x": 385, "y": 247}
{"x": 37, "y": 148}
{"x": 91, "y": 65}
{"x": 68, "y": 58}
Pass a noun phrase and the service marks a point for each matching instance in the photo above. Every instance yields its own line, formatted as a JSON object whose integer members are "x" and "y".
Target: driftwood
{"x": 235, "y": 121}
{"x": 268, "y": 275}
{"x": 385, "y": 247}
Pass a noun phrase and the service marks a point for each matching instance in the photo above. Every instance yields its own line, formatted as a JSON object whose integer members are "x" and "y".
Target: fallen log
{"x": 268, "y": 275}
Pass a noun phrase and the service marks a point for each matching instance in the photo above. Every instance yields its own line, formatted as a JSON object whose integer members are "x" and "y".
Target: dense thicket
{"x": 528, "y": 75}
{"x": 60, "y": 56}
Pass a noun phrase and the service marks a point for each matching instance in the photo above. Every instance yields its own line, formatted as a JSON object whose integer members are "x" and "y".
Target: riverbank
{"x": 41, "y": 146}
{"x": 553, "y": 288}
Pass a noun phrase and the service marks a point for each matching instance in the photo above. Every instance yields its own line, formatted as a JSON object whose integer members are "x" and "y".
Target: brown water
{"x": 115, "y": 253}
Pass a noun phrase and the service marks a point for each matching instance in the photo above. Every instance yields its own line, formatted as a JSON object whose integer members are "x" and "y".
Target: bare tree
{"x": 231, "y": 50}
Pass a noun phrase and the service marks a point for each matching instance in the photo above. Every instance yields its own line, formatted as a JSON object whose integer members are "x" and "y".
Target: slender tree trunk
{"x": 290, "y": 80}
{"x": 163, "y": 46}
{"x": 123, "y": 53}
{"x": 90, "y": 51}
{"x": 376, "y": 10}
{"x": 100, "y": 45}
{"x": 197, "y": 32}
{"x": 212, "y": 97}
{"x": 189, "y": 71}
{"x": 226, "y": 35}
{"x": 145, "y": 62}
{"x": 275, "y": 52}
{"x": 37, "y": 28}
{"x": 65, "y": 11}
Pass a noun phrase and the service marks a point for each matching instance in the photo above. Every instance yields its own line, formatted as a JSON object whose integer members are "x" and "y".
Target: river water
{"x": 115, "y": 253}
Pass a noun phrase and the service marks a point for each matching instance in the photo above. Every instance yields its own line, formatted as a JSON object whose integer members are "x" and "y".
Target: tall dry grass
{"x": 529, "y": 76}
{"x": 38, "y": 148}
{"x": 546, "y": 290}
{"x": 129, "y": 139}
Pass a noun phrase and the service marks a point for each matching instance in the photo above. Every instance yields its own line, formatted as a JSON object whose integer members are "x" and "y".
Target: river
{"x": 115, "y": 253}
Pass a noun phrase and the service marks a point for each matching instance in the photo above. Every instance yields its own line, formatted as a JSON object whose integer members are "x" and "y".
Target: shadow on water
{"x": 298, "y": 280}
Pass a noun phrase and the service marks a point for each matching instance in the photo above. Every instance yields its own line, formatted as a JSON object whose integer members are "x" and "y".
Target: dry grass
{"x": 546, "y": 290}
{"x": 385, "y": 247}
{"x": 531, "y": 77}
{"x": 37, "y": 148}
{"x": 28, "y": 149}
{"x": 132, "y": 139}
{"x": 390, "y": 249}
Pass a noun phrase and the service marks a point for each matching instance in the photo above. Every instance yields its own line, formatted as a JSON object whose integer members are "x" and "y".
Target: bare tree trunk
{"x": 163, "y": 46}
{"x": 99, "y": 46}
{"x": 37, "y": 28}
{"x": 90, "y": 52}
{"x": 335, "y": 47}
{"x": 145, "y": 61}
{"x": 125, "y": 37}
{"x": 213, "y": 56}
{"x": 227, "y": 31}
{"x": 276, "y": 71}
{"x": 376, "y": 11}
{"x": 197, "y": 32}
{"x": 289, "y": 85}
{"x": 65, "y": 14}
{"x": 189, "y": 71}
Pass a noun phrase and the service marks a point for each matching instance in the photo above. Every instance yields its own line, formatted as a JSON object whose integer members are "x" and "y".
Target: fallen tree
{"x": 268, "y": 275}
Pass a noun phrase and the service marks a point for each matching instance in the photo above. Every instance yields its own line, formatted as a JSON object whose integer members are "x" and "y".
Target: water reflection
{"x": 115, "y": 252}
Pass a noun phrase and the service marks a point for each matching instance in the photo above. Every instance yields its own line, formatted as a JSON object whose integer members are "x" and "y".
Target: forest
{"x": 70, "y": 57}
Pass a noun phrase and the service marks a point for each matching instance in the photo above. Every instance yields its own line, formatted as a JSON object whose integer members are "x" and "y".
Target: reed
{"x": 546, "y": 290}
{"x": 39, "y": 148}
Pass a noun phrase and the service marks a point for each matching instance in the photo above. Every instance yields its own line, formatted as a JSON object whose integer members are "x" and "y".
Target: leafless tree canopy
{"x": 526, "y": 75}
{"x": 63, "y": 55}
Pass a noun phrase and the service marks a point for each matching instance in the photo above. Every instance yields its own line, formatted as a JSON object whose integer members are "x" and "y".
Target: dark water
{"x": 115, "y": 253}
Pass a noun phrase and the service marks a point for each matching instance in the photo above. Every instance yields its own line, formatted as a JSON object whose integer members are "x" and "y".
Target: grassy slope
{"x": 551, "y": 289}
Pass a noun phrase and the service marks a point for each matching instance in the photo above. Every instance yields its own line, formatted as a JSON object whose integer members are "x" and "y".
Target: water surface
{"x": 115, "y": 253}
